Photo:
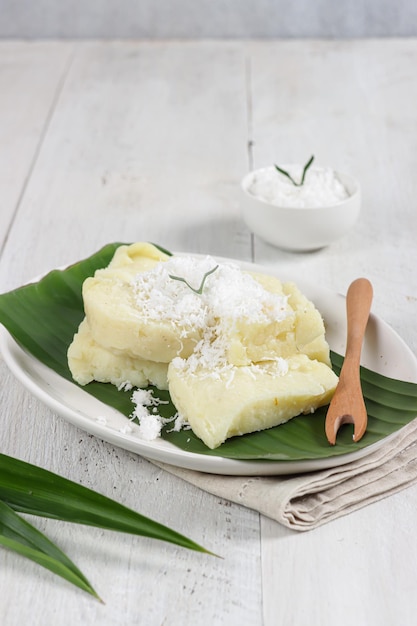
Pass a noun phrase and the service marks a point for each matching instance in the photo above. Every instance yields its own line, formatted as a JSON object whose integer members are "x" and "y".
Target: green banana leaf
{"x": 18, "y": 535}
{"x": 42, "y": 317}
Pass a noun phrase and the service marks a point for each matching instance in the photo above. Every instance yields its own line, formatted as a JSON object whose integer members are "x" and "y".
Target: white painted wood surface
{"x": 135, "y": 140}
{"x": 30, "y": 80}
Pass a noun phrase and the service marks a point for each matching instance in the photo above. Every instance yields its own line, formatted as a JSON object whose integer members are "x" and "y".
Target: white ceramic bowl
{"x": 300, "y": 229}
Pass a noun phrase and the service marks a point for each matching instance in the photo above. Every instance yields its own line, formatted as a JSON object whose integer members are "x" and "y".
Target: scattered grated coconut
{"x": 125, "y": 386}
{"x": 180, "y": 423}
{"x": 125, "y": 430}
{"x": 151, "y": 423}
{"x": 150, "y": 427}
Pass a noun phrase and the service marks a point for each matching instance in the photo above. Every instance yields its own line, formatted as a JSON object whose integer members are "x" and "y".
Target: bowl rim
{"x": 245, "y": 181}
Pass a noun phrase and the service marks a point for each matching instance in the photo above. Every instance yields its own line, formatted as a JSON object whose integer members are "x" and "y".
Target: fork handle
{"x": 358, "y": 306}
{"x": 347, "y": 405}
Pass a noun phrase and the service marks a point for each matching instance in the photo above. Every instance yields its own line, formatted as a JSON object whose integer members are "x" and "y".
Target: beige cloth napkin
{"x": 305, "y": 501}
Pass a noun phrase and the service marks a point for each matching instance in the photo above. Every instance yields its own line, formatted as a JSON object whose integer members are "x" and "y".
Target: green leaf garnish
{"x": 198, "y": 291}
{"x": 30, "y": 489}
{"x": 288, "y": 175}
{"x": 18, "y": 535}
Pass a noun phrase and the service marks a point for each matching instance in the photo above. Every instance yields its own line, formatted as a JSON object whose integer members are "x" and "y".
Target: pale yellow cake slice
{"x": 300, "y": 329}
{"x": 118, "y": 312}
{"x": 137, "y": 307}
{"x": 242, "y": 400}
{"x": 89, "y": 361}
{"x": 309, "y": 326}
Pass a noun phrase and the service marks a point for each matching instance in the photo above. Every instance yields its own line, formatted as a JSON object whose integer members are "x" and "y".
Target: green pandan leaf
{"x": 44, "y": 316}
{"x": 31, "y": 489}
{"x": 18, "y": 535}
{"x": 288, "y": 175}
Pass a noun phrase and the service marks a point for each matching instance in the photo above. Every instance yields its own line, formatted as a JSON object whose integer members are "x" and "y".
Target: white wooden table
{"x": 131, "y": 141}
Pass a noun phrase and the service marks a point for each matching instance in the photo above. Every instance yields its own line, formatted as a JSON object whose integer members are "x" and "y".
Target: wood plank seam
{"x": 38, "y": 148}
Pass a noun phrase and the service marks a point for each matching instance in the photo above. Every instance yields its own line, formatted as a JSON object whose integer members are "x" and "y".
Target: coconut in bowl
{"x": 300, "y": 208}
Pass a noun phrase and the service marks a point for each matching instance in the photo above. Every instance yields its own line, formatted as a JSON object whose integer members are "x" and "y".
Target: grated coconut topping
{"x": 228, "y": 293}
{"x": 227, "y": 296}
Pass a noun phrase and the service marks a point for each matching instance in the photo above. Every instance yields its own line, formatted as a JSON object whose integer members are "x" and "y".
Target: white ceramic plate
{"x": 383, "y": 351}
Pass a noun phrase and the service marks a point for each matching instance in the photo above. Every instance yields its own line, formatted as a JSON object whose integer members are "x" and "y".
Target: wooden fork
{"x": 347, "y": 405}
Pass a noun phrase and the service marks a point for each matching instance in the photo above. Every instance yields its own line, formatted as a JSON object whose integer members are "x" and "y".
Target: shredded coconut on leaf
{"x": 151, "y": 423}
